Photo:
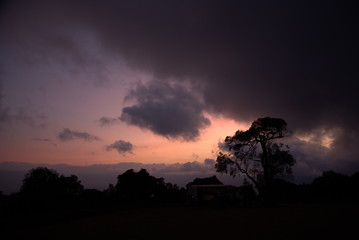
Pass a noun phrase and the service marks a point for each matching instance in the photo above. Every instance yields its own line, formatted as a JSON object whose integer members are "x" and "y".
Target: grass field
{"x": 295, "y": 222}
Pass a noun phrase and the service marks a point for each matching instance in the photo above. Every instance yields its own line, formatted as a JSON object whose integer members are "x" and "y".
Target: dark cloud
{"x": 121, "y": 147}
{"x": 295, "y": 60}
{"x": 67, "y": 135}
{"x": 107, "y": 121}
{"x": 170, "y": 110}
{"x": 313, "y": 158}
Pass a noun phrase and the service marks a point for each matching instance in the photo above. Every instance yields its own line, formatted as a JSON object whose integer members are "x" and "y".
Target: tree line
{"x": 45, "y": 189}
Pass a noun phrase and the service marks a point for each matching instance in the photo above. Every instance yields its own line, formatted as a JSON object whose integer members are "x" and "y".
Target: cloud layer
{"x": 284, "y": 59}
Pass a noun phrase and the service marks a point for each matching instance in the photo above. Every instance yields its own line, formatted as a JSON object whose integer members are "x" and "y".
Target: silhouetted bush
{"x": 44, "y": 188}
{"x": 334, "y": 187}
{"x": 140, "y": 187}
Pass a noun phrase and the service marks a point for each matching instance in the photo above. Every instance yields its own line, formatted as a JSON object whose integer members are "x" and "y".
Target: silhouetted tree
{"x": 256, "y": 154}
{"x": 248, "y": 193}
{"x": 70, "y": 186}
{"x": 43, "y": 186}
{"x": 331, "y": 187}
{"x": 40, "y": 181}
{"x": 138, "y": 187}
{"x": 141, "y": 187}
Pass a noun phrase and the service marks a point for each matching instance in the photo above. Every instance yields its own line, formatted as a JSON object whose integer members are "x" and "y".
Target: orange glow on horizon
{"x": 147, "y": 147}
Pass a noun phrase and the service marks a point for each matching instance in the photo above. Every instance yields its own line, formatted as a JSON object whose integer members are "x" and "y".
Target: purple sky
{"x": 163, "y": 82}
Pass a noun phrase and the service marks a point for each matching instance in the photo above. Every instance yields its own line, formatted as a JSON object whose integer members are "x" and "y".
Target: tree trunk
{"x": 264, "y": 193}
{"x": 265, "y": 164}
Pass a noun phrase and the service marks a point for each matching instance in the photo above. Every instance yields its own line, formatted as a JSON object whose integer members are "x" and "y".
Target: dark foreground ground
{"x": 290, "y": 222}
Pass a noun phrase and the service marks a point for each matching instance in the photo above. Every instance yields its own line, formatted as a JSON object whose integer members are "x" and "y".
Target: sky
{"x": 161, "y": 83}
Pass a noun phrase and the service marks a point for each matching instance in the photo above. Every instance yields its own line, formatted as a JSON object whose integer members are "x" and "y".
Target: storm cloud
{"x": 170, "y": 110}
{"x": 68, "y": 135}
{"x": 122, "y": 147}
{"x": 295, "y": 60}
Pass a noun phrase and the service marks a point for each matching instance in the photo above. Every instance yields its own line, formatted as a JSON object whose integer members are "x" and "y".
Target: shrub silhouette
{"x": 43, "y": 187}
{"x": 141, "y": 187}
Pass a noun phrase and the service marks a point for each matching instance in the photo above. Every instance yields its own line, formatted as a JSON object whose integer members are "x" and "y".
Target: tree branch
{"x": 242, "y": 170}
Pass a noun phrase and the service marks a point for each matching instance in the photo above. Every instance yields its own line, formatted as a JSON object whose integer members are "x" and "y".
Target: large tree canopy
{"x": 257, "y": 154}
